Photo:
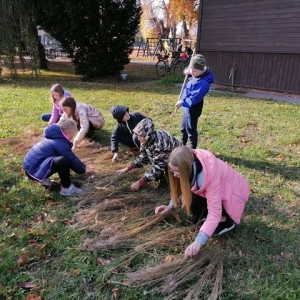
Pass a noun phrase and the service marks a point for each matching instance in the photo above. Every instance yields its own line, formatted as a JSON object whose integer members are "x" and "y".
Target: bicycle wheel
{"x": 161, "y": 67}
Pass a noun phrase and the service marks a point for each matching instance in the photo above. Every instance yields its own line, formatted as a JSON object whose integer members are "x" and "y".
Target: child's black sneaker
{"x": 224, "y": 227}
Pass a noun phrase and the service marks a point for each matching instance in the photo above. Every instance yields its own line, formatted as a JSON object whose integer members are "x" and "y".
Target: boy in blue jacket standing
{"x": 53, "y": 154}
{"x": 192, "y": 99}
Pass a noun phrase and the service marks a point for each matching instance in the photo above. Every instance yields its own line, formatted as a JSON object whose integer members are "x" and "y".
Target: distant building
{"x": 47, "y": 40}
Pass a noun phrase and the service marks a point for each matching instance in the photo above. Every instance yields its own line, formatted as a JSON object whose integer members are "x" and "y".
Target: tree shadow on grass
{"x": 263, "y": 246}
{"x": 291, "y": 173}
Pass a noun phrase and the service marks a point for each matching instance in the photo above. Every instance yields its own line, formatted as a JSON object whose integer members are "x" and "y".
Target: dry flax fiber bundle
{"x": 199, "y": 277}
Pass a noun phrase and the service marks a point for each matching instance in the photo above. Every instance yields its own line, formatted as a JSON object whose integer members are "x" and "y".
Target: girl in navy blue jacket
{"x": 53, "y": 154}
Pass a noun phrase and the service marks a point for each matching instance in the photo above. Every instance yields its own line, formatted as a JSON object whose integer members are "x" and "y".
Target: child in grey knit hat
{"x": 192, "y": 99}
{"x": 198, "y": 62}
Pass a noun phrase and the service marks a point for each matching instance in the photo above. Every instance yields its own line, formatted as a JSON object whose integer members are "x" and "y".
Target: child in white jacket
{"x": 87, "y": 117}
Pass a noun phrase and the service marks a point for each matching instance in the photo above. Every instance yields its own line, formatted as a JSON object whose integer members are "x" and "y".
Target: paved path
{"x": 268, "y": 95}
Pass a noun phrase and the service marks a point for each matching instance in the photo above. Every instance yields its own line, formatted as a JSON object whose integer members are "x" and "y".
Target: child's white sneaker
{"x": 71, "y": 190}
{"x": 47, "y": 182}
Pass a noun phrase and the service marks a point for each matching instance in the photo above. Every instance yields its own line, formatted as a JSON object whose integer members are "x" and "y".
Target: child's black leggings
{"x": 61, "y": 165}
{"x": 199, "y": 207}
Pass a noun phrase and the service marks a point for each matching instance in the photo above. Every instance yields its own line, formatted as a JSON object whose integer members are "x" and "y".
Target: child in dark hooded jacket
{"x": 123, "y": 132}
{"x": 52, "y": 155}
{"x": 156, "y": 146}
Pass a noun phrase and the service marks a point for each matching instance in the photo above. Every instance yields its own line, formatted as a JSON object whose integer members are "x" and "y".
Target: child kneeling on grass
{"x": 52, "y": 155}
{"x": 123, "y": 132}
{"x": 57, "y": 93}
{"x": 87, "y": 117}
{"x": 156, "y": 146}
{"x": 219, "y": 193}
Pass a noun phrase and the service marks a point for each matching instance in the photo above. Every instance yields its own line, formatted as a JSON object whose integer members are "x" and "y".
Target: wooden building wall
{"x": 260, "y": 39}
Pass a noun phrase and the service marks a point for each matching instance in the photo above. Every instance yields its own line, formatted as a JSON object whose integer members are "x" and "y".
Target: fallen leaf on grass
{"x": 49, "y": 202}
{"x": 22, "y": 260}
{"x": 286, "y": 255}
{"x": 100, "y": 261}
{"x": 33, "y": 297}
{"x": 66, "y": 221}
{"x": 297, "y": 264}
{"x": 168, "y": 258}
{"x": 105, "y": 285}
{"x": 26, "y": 285}
{"x": 244, "y": 140}
{"x": 3, "y": 190}
{"x": 126, "y": 282}
{"x": 115, "y": 293}
{"x": 280, "y": 156}
{"x": 76, "y": 271}
{"x": 33, "y": 243}
{"x": 260, "y": 238}
{"x": 41, "y": 217}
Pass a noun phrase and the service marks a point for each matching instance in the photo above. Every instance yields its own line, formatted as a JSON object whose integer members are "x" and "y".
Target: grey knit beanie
{"x": 198, "y": 62}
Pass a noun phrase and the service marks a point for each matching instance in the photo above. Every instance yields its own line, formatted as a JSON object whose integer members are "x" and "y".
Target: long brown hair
{"x": 182, "y": 158}
{"x": 69, "y": 102}
{"x": 57, "y": 88}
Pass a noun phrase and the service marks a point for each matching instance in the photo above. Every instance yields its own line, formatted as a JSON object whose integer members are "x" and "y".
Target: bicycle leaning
{"x": 176, "y": 65}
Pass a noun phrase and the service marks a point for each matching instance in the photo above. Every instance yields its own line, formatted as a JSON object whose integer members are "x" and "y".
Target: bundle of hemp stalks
{"x": 199, "y": 277}
{"x": 123, "y": 238}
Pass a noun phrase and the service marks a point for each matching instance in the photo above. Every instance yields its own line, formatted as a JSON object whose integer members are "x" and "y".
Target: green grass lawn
{"x": 38, "y": 245}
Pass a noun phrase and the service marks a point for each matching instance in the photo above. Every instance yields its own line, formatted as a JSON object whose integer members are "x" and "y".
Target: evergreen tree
{"x": 98, "y": 34}
{"x": 18, "y": 34}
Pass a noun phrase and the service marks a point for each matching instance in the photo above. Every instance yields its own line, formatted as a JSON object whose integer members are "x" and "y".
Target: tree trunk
{"x": 185, "y": 30}
{"x": 42, "y": 54}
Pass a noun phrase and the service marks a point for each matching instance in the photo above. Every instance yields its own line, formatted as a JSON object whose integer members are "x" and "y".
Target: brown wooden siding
{"x": 262, "y": 37}
{"x": 280, "y": 72}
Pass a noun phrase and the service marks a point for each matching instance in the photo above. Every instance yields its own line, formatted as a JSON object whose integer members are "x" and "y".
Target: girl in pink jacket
{"x": 209, "y": 188}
